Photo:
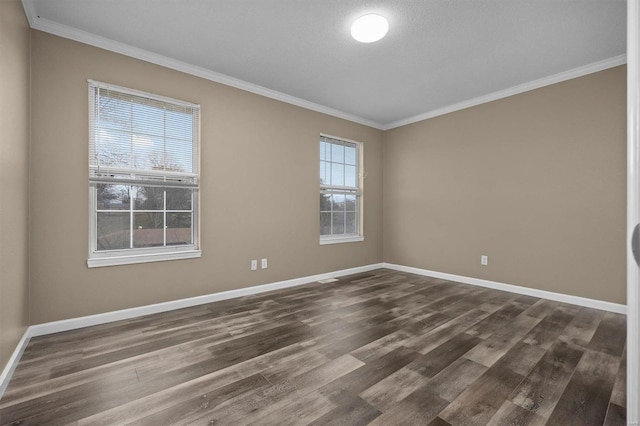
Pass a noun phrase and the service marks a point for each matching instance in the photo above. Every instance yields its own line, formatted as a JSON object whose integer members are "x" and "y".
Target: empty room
{"x": 305, "y": 212}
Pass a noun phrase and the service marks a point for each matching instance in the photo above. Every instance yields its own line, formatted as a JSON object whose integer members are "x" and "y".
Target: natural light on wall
{"x": 369, "y": 28}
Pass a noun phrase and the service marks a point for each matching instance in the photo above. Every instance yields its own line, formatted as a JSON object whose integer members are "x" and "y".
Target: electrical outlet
{"x": 264, "y": 263}
{"x": 484, "y": 260}
{"x": 254, "y": 265}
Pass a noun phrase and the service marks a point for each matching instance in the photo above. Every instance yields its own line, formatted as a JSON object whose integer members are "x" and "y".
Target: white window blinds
{"x": 136, "y": 137}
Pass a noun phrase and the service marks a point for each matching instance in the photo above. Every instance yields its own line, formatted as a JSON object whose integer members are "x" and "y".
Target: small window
{"x": 340, "y": 190}
{"x": 143, "y": 177}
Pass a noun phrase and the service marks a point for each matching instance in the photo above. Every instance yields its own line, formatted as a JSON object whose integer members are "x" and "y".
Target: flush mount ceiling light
{"x": 369, "y": 28}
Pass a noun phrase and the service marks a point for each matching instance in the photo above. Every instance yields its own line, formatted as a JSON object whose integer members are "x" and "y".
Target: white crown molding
{"x": 558, "y": 297}
{"x": 536, "y": 84}
{"x": 125, "y": 49}
{"x": 29, "y": 10}
{"x": 155, "y": 58}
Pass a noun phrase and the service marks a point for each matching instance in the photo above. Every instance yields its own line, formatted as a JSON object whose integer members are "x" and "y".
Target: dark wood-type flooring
{"x": 379, "y": 348}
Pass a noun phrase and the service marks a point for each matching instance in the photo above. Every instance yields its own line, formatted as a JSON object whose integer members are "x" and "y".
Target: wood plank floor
{"x": 379, "y": 348}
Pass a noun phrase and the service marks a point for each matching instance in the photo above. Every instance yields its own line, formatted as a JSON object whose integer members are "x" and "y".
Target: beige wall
{"x": 535, "y": 181}
{"x": 14, "y": 178}
{"x": 259, "y": 190}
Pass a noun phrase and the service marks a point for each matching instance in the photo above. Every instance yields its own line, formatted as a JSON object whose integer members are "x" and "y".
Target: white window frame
{"x": 98, "y": 258}
{"x": 359, "y": 191}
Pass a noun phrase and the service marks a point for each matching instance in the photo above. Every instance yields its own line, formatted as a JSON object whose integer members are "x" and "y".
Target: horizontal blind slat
{"x": 142, "y": 182}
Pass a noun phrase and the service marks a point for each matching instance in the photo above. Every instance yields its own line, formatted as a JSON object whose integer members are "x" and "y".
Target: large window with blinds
{"x": 143, "y": 177}
{"x": 340, "y": 190}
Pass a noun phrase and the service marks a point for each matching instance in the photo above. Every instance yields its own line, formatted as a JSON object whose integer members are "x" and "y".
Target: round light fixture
{"x": 369, "y": 28}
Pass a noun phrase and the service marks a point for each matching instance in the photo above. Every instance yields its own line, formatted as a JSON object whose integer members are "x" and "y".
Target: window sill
{"x": 339, "y": 240}
{"x": 97, "y": 262}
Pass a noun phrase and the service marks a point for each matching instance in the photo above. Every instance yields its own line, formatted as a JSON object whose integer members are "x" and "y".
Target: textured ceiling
{"x": 438, "y": 53}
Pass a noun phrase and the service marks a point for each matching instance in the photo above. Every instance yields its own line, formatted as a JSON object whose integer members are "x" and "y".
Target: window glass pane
{"x": 178, "y": 228}
{"x": 337, "y": 153}
{"x": 147, "y": 152}
{"x": 112, "y": 231}
{"x": 148, "y": 117}
{"x": 324, "y": 179}
{"x": 113, "y": 148}
{"x": 325, "y": 154}
{"x": 350, "y": 203}
{"x": 179, "y": 123}
{"x": 337, "y": 174}
{"x": 179, "y": 155}
{"x": 350, "y": 226}
{"x": 179, "y": 199}
{"x": 325, "y": 202}
{"x": 350, "y": 154}
{"x": 338, "y": 223}
{"x": 133, "y": 131}
{"x": 339, "y": 166}
{"x": 148, "y": 198}
{"x": 112, "y": 197}
{"x": 327, "y": 172}
{"x": 159, "y": 137}
{"x": 350, "y": 177}
{"x": 115, "y": 113}
{"x": 338, "y": 202}
{"x": 325, "y": 223}
{"x": 148, "y": 230}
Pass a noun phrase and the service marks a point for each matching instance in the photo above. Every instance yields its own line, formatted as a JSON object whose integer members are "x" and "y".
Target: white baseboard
{"x": 107, "y": 317}
{"x": 5, "y": 377}
{"x": 559, "y": 297}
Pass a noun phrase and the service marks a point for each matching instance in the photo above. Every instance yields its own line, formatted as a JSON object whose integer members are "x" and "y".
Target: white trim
{"x": 358, "y": 191}
{"x": 140, "y": 176}
{"x": 140, "y": 93}
{"x": 154, "y": 58}
{"x": 525, "y": 87}
{"x": 107, "y": 317}
{"x": 125, "y": 49}
{"x": 559, "y": 297}
{"x": 5, "y": 377}
{"x": 96, "y": 262}
{"x": 339, "y": 240}
{"x": 30, "y": 10}
{"x": 339, "y": 138}
{"x": 74, "y": 323}
{"x": 633, "y": 210}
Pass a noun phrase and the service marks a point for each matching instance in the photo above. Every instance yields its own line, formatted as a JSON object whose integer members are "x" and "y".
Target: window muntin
{"x": 340, "y": 189}
{"x": 143, "y": 174}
